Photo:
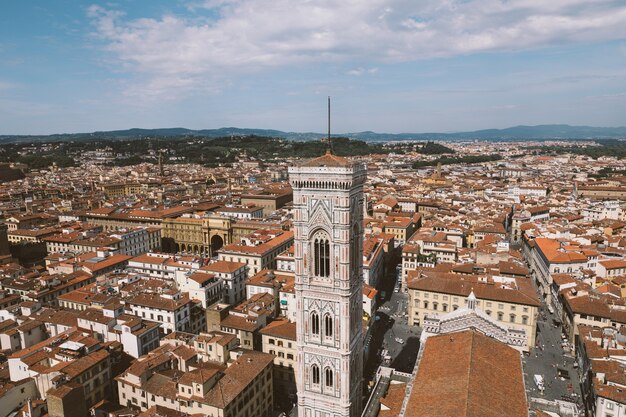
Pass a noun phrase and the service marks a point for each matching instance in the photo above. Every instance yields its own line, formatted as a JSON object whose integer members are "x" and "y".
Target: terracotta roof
{"x": 327, "y": 160}
{"x": 551, "y": 249}
{"x": 522, "y": 292}
{"x": 282, "y": 328}
{"x": 468, "y": 374}
{"x": 614, "y": 263}
{"x": 158, "y": 302}
{"x": 223, "y": 266}
{"x": 237, "y": 322}
{"x": 393, "y": 400}
{"x": 260, "y": 249}
{"x": 201, "y": 277}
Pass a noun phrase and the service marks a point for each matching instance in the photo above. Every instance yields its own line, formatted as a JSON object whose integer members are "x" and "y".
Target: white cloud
{"x": 221, "y": 38}
{"x": 5, "y": 85}
{"x": 362, "y": 71}
{"x": 613, "y": 96}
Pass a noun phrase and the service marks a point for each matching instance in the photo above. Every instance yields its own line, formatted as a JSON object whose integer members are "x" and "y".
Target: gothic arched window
{"x": 328, "y": 378}
{"x": 315, "y": 374}
{"x": 328, "y": 326}
{"x": 315, "y": 323}
{"x": 321, "y": 254}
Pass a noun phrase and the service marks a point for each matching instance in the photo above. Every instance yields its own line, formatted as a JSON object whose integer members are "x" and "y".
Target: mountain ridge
{"x": 520, "y": 132}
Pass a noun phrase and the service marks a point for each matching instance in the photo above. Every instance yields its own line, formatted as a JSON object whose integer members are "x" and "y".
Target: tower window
{"x": 328, "y": 325}
{"x": 315, "y": 373}
{"x": 328, "y": 378}
{"x": 321, "y": 255}
{"x": 315, "y": 323}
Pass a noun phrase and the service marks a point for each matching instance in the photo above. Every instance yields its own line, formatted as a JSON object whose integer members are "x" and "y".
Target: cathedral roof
{"x": 327, "y": 160}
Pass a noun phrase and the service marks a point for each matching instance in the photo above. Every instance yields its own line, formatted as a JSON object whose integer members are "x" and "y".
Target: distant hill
{"x": 512, "y": 133}
{"x": 541, "y": 132}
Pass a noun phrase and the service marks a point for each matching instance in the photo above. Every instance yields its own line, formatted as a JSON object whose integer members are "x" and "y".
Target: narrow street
{"x": 549, "y": 359}
{"x": 393, "y": 342}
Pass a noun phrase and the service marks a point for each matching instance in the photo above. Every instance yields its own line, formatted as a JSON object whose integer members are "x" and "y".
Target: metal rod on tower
{"x": 328, "y": 145}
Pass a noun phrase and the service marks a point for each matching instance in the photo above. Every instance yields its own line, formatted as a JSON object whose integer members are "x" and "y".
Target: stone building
{"x": 328, "y": 227}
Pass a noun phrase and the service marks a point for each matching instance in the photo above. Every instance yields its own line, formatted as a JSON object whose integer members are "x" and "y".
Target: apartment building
{"x": 373, "y": 260}
{"x": 585, "y": 306}
{"x": 168, "y": 377}
{"x": 203, "y": 286}
{"x": 213, "y": 346}
{"x": 45, "y": 289}
{"x": 435, "y": 244}
{"x": 258, "y": 250}
{"x": 245, "y": 212}
{"x": 510, "y": 301}
{"x": 268, "y": 281}
{"x": 233, "y": 276}
{"x": 244, "y": 320}
{"x": 15, "y": 336}
{"x": 65, "y": 358}
{"x": 171, "y": 308}
{"x": 163, "y": 265}
{"x": 550, "y": 256}
{"x": 285, "y": 262}
{"x": 600, "y": 355}
{"x": 269, "y": 200}
{"x": 279, "y": 340}
{"x": 30, "y": 235}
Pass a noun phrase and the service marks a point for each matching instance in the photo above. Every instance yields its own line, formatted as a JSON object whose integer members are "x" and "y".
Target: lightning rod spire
{"x": 329, "y": 148}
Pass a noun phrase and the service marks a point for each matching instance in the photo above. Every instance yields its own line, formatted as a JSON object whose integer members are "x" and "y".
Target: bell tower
{"x": 328, "y": 227}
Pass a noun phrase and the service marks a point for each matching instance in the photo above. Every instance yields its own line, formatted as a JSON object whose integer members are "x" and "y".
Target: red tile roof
{"x": 468, "y": 374}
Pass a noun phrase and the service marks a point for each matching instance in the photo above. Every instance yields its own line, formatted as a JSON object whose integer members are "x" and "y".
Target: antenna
{"x": 329, "y": 147}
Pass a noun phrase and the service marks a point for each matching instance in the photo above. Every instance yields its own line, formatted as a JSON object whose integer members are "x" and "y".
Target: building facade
{"x": 328, "y": 219}
{"x": 198, "y": 235}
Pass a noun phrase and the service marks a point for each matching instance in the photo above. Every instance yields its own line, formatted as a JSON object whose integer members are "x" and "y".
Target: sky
{"x": 390, "y": 66}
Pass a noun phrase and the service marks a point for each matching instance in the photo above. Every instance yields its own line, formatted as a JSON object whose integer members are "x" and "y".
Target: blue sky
{"x": 390, "y": 65}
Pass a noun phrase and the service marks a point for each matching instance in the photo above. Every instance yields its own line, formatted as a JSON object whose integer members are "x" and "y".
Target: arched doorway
{"x": 216, "y": 244}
